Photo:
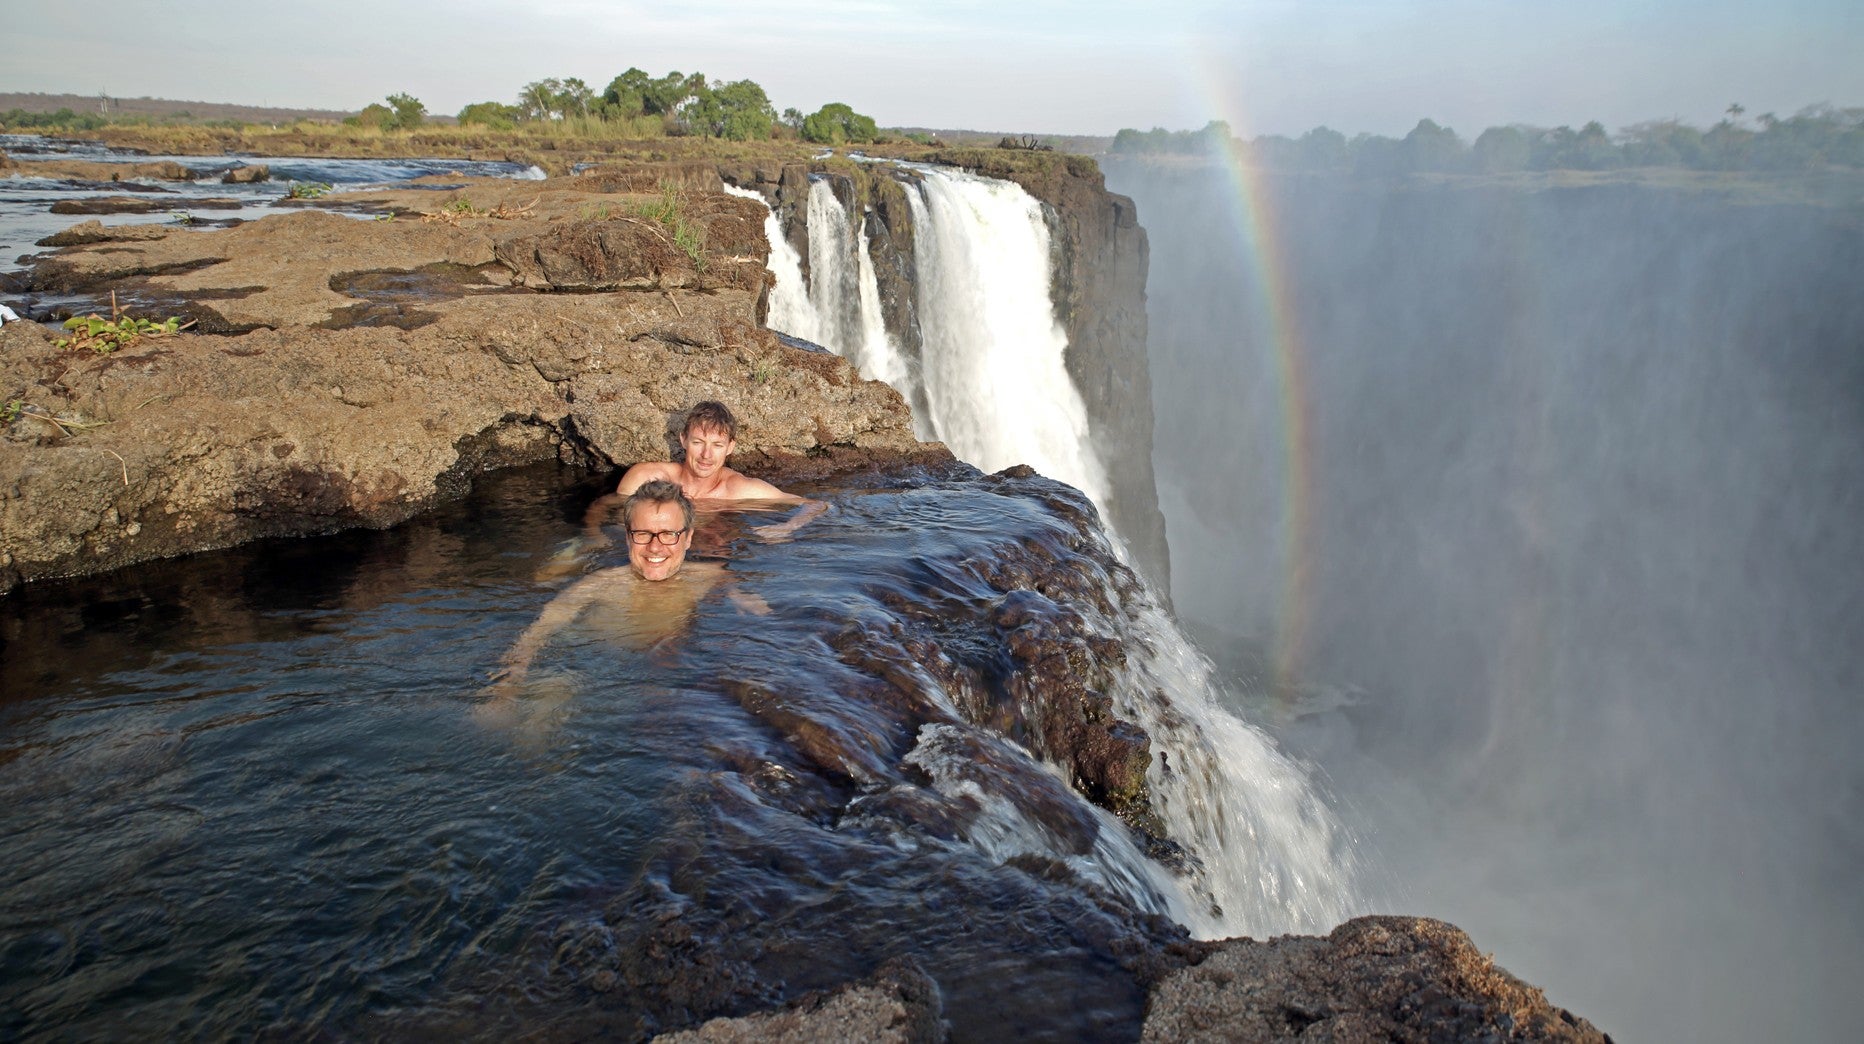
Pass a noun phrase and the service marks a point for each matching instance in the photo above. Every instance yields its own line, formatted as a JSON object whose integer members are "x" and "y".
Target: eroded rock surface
{"x": 346, "y": 372}
{"x": 1372, "y": 980}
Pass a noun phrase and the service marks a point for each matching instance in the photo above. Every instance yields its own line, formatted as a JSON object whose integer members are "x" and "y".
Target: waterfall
{"x": 1273, "y": 857}
{"x": 991, "y": 366}
{"x": 789, "y": 298}
{"x": 1265, "y": 854}
{"x": 840, "y": 308}
{"x": 993, "y": 350}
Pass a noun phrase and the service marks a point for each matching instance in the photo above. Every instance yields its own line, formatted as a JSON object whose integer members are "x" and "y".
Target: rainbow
{"x": 1254, "y": 221}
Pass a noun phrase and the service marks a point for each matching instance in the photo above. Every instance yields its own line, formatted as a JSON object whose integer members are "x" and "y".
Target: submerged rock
{"x": 899, "y": 1004}
{"x": 138, "y": 205}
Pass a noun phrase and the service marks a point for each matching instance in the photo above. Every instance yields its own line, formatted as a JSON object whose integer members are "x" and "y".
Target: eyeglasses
{"x": 665, "y": 536}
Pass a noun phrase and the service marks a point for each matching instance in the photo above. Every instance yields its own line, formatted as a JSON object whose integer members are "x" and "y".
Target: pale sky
{"x": 1025, "y": 66}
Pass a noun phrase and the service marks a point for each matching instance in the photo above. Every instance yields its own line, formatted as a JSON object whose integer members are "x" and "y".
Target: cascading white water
{"x": 1267, "y": 855}
{"x": 1273, "y": 856}
{"x": 790, "y": 309}
{"x": 840, "y": 308}
{"x": 991, "y": 358}
{"x": 992, "y": 355}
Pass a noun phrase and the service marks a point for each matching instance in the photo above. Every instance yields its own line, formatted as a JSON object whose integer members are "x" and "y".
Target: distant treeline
{"x": 1817, "y": 136}
{"x": 634, "y": 105}
{"x": 677, "y": 104}
{"x": 63, "y": 119}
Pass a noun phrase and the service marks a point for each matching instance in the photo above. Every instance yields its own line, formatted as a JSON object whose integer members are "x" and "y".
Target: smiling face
{"x": 706, "y": 449}
{"x": 655, "y": 560}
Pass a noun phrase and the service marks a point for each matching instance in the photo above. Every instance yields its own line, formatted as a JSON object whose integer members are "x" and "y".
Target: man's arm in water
{"x": 748, "y": 488}
{"x": 558, "y": 614}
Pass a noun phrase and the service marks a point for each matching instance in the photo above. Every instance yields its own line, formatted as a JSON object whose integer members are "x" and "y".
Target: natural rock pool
{"x": 244, "y": 792}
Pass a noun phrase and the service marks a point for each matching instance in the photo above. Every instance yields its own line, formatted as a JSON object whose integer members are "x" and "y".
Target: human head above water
{"x": 710, "y": 415}
{"x": 658, "y": 508}
{"x": 659, "y": 491}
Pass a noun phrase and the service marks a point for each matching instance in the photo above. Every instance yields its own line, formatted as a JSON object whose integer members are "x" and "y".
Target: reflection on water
{"x": 244, "y": 791}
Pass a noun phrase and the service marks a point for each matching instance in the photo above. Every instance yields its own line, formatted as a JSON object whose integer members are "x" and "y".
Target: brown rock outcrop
{"x": 1372, "y": 980}
{"x": 98, "y": 232}
{"x": 377, "y": 365}
{"x": 247, "y": 175}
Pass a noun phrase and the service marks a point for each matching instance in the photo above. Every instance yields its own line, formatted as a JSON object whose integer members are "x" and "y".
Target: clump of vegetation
{"x": 665, "y": 211}
{"x": 835, "y": 123}
{"x": 10, "y": 412}
{"x": 104, "y": 336}
{"x": 460, "y": 207}
{"x": 1028, "y": 143}
{"x": 308, "y": 190}
{"x": 401, "y": 112}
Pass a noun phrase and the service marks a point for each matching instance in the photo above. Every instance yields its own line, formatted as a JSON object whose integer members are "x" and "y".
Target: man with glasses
{"x": 654, "y": 594}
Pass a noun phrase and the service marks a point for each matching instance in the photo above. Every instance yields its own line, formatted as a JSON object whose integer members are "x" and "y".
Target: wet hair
{"x": 710, "y": 414}
{"x": 659, "y": 491}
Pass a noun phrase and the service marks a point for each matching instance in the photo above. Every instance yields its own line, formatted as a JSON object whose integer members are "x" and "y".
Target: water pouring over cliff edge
{"x": 990, "y": 372}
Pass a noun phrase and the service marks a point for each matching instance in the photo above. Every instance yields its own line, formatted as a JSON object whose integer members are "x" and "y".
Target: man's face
{"x": 656, "y": 560}
{"x": 706, "y": 450}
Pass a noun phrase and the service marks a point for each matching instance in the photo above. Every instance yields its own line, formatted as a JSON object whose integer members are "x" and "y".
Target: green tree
{"x": 574, "y": 98}
{"x": 490, "y": 114}
{"x": 835, "y": 123}
{"x": 1322, "y": 148}
{"x": 663, "y": 97}
{"x": 625, "y": 96}
{"x": 409, "y": 112}
{"x": 1593, "y": 149}
{"x": 1430, "y": 147}
{"x": 1501, "y": 149}
{"x": 538, "y": 99}
{"x": 376, "y": 115}
{"x": 737, "y": 111}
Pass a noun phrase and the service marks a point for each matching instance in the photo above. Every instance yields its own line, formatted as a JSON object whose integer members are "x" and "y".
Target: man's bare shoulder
{"x": 648, "y": 471}
{"x": 743, "y": 487}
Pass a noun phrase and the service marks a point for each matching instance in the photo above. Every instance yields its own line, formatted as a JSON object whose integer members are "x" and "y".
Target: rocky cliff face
{"x": 1098, "y": 290}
